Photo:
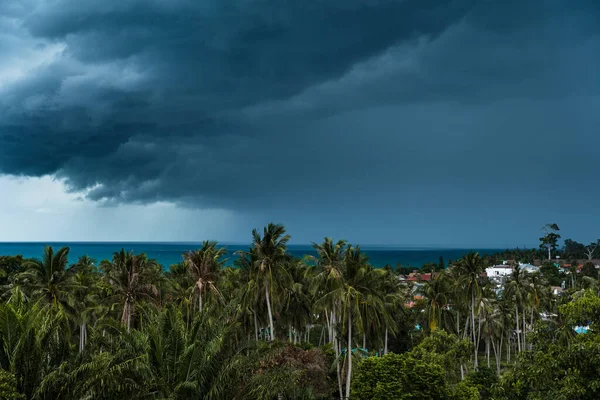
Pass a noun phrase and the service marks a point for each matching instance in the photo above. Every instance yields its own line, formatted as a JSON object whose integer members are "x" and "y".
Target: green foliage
{"x": 128, "y": 329}
{"x": 8, "y": 386}
{"x": 399, "y": 377}
{"x": 446, "y": 350}
{"x": 556, "y": 372}
{"x": 466, "y": 391}
{"x": 552, "y": 274}
{"x": 582, "y": 311}
{"x": 484, "y": 379}
{"x": 589, "y": 269}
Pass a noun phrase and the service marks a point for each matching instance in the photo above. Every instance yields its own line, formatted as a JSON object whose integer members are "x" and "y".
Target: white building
{"x": 498, "y": 272}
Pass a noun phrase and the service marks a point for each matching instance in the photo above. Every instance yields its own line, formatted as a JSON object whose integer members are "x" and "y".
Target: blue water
{"x": 171, "y": 253}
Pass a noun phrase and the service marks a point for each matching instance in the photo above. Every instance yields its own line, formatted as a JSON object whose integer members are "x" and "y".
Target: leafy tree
{"x": 399, "y": 376}
{"x": 8, "y": 386}
{"x": 589, "y": 269}
{"x": 550, "y": 240}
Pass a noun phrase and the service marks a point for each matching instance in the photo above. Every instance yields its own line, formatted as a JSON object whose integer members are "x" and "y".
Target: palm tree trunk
{"x": 473, "y": 327}
{"x": 321, "y": 335}
{"x": 128, "y": 317}
{"x": 255, "y": 325}
{"x": 81, "y": 337}
{"x": 385, "y": 348}
{"x": 199, "y": 301}
{"x": 364, "y": 342}
{"x": 339, "y": 373}
{"x": 268, "y": 298}
{"x": 496, "y": 357}
{"x": 524, "y": 348}
{"x": 517, "y": 330}
{"x": 349, "y": 355}
{"x": 487, "y": 350}
{"x": 466, "y": 331}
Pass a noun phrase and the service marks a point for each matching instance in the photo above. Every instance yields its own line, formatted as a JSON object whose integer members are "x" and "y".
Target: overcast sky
{"x": 409, "y": 122}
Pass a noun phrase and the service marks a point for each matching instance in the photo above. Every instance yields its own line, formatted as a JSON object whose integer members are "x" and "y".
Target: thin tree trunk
{"x": 496, "y": 357}
{"x": 199, "y": 301}
{"x": 487, "y": 350}
{"x": 255, "y": 325}
{"x": 466, "y": 331}
{"x": 290, "y": 332}
{"x": 81, "y": 337}
{"x": 517, "y": 330}
{"x": 524, "y": 326}
{"x": 385, "y": 348}
{"x": 322, "y": 334}
{"x": 339, "y": 373}
{"x": 349, "y": 355}
{"x": 268, "y": 297}
{"x": 475, "y": 363}
{"x": 364, "y": 342}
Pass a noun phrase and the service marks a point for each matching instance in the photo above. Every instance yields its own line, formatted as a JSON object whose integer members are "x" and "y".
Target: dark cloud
{"x": 266, "y": 105}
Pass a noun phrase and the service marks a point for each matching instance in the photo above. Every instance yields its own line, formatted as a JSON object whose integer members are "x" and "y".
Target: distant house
{"x": 530, "y": 268}
{"x": 556, "y": 290}
{"x": 417, "y": 277}
{"x": 498, "y": 272}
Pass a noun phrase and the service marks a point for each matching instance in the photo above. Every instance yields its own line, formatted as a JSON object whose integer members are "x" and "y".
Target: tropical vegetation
{"x": 266, "y": 325}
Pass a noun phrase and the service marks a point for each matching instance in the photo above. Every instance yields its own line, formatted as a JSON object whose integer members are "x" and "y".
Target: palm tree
{"x": 131, "y": 278}
{"x": 271, "y": 256}
{"x": 516, "y": 289}
{"x": 48, "y": 278}
{"x": 360, "y": 283}
{"x": 436, "y": 293}
{"x": 330, "y": 266}
{"x": 470, "y": 268}
{"x": 204, "y": 266}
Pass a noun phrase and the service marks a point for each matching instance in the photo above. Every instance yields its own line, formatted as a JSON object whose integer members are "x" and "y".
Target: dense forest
{"x": 273, "y": 326}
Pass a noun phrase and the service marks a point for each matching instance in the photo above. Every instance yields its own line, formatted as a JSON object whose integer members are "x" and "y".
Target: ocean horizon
{"x": 167, "y": 253}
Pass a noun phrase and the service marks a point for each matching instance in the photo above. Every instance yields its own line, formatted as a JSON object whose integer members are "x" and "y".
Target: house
{"x": 556, "y": 290}
{"x": 498, "y": 272}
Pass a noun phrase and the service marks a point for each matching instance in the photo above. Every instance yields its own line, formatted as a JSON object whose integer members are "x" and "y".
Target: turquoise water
{"x": 170, "y": 253}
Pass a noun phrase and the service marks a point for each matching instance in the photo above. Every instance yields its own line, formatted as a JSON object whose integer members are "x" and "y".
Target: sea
{"x": 171, "y": 253}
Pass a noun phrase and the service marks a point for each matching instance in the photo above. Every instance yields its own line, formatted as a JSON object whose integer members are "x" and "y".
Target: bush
{"x": 399, "y": 376}
{"x": 8, "y": 386}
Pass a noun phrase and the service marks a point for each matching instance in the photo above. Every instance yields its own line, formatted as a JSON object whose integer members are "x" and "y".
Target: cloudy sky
{"x": 411, "y": 122}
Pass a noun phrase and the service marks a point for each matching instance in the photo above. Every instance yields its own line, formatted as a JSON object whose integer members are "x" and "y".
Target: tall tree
{"x": 271, "y": 256}
{"x": 132, "y": 277}
{"x": 469, "y": 269}
{"x": 550, "y": 239}
{"x": 204, "y": 266}
{"x": 49, "y": 278}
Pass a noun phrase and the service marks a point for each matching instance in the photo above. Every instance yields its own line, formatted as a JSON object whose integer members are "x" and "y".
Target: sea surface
{"x": 171, "y": 253}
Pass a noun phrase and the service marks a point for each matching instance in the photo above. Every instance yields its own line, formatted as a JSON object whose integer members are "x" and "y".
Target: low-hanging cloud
{"x": 265, "y": 104}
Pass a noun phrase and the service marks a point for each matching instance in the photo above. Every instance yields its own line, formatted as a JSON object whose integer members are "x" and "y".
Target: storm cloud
{"x": 393, "y": 110}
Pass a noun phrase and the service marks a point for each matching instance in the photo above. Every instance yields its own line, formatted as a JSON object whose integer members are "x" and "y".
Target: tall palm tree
{"x": 271, "y": 256}
{"x": 204, "y": 267}
{"x": 360, "y": 284}
{"x": 470, "y": 268}
{"x": 132, "y": 277}
{"x": 48, "y": 278}
{"x": 517, "y": 289}
{"x": 436, "y": 293}
{"x": 330, "y": 264}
